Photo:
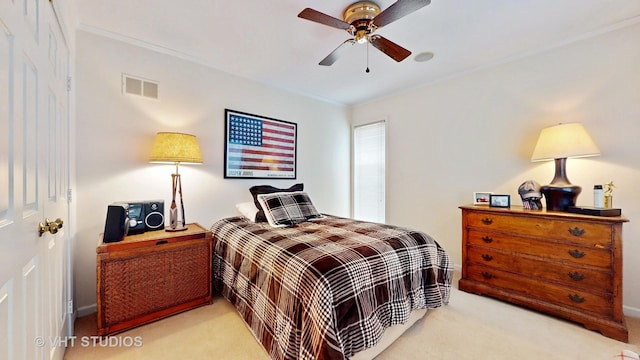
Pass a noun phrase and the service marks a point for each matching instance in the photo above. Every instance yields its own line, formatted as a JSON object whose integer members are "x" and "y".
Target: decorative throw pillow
{"x": 268, "y": 189}
{"x": 288, "y": 208}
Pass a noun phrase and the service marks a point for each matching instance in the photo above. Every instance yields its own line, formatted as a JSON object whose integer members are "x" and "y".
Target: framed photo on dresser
{"x": 501, "y": 201}
{"x": 481, "y": 198}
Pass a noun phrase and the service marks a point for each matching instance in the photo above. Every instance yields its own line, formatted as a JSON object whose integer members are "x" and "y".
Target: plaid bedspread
{"x": 326, "y": 289}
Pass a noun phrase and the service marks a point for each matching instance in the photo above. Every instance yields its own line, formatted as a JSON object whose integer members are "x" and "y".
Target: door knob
{"x": 50, "y": 226}
{"x": 54, "y": 225}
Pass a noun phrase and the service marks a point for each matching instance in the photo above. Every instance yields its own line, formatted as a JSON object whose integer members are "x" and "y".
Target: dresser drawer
{"x": 586, "y": 278}
{"x": 579, "y": 232}
{"x": 567, "y": 253}
{"x": 599, "y": 304}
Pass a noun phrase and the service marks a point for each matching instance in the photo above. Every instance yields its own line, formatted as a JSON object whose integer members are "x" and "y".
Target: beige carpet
{"x": 470, "y": 327}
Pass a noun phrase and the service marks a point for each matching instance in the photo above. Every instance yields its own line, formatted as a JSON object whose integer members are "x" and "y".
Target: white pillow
{"x": 248, "y": 210}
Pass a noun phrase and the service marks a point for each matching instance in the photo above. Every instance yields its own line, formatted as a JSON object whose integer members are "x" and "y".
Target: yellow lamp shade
{"x": 172, "y": 147}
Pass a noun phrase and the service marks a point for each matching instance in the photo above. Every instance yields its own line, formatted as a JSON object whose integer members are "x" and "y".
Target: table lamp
{"x": 176, "y": 148}
{"x": 560, "y": 142}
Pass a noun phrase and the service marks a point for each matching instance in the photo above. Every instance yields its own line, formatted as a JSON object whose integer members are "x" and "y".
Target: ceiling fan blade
{"x": 397, "y": 10}
{"x": 335, "y": 54}
{"x": 393, "y": 50}
{"x": 322, "y": 18}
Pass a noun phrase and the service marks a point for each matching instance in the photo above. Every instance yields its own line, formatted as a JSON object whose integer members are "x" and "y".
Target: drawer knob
{"x": 577, "y": 231}
{"x": 487, "y": 275}
{"x": 576, "y": 276}
{"x": 487, "y": 239}
{"x": 576, "y": 298}
{"x": 487, "y": 257}
{"x": 487, "y": 221}
{"x": 577, "y": 253}
{"x": 162, "y": 242}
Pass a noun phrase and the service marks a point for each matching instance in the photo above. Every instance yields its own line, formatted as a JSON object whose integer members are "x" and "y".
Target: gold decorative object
{"x": 608, "y": 195}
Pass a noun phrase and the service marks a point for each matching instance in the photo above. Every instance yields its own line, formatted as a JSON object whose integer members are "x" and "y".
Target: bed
{"x": 327, "y": 287}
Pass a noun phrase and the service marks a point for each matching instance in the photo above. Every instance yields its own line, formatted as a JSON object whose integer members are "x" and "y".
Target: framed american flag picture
{"x": 258, "y": 147}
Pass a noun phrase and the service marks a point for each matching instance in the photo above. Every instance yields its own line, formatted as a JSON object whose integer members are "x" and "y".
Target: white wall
{"x": 115, "y": 133}
{"x": 446, "y": 140}
{"x": 477, "y": 133}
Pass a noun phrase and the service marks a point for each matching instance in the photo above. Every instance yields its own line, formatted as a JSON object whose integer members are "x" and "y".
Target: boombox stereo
{"x": 146, "y": 216}
{"x": 128, "y": 218}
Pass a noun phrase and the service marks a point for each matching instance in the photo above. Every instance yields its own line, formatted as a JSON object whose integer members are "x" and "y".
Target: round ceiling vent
{"x": 424, "y": 56}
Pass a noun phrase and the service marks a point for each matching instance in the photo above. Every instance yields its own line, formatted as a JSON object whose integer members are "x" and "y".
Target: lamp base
{"x": 176, "y": 229}
{"x": 560, "y": 197}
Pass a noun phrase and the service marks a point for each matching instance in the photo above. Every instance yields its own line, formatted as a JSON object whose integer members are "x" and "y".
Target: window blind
{"x": 369, "y": 172}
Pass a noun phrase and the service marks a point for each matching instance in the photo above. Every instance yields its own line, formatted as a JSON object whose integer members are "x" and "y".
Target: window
{"x": 369, "y": 172}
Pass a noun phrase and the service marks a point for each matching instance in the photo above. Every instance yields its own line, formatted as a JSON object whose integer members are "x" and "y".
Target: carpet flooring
{"x": 470, "y": 327}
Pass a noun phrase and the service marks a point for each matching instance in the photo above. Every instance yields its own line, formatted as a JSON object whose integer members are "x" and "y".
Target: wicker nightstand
{"x": 152, "y": 275}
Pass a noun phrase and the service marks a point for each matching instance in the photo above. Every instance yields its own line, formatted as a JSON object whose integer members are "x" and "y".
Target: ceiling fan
{"x": 361, "y": 20}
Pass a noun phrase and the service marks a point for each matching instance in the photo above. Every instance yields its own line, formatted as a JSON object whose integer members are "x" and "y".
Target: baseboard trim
{"x": 87, "y": 310}
{"x": 631, "y": 311}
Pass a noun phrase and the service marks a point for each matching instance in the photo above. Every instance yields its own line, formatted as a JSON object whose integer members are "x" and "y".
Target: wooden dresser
{"x": 150, "y": 276}
{"x": 563, "y": 264}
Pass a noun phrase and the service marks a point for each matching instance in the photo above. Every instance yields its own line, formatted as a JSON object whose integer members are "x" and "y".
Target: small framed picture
{"x": 502, "y": 201}
{"x": 481, "y": 198}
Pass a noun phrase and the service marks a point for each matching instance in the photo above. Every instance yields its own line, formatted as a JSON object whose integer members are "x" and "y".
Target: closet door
{"x": 34, "y": 175}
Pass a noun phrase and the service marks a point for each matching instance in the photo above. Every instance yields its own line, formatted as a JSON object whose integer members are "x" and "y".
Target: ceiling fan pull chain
{"x": 367, "y": 71}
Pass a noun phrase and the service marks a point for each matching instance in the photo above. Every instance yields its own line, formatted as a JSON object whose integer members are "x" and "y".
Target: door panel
{"x": 7, "y": 326}
{"x": 54, "y": 276}
{"x": 31, "y": 309}
{"x": 8, "y": 264}
{"x": 30, "y": 138}
{"x": 6, "y": 77}
{"x": 32, "y": 20}
{"x": 52, "y": 155}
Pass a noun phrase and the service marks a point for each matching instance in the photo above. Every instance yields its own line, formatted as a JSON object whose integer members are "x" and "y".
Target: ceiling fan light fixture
{"x": 424, "y": 56}
{"x": 361, "y": 36}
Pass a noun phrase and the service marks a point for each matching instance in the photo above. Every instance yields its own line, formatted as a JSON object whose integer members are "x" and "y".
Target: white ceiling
{"x": 266, "y": 41}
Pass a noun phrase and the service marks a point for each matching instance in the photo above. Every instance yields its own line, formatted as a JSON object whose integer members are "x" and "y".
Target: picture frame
{"x": 481, "y": 198}
{"x": 500, "y": 201}
{"x": 259, "y": 147}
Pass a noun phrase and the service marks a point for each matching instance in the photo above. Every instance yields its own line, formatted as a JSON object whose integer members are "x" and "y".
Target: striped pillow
{"x": 288, "y": 208}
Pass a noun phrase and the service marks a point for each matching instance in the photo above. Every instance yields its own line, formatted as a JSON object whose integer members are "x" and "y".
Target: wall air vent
{"x": 137, "y": 86}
